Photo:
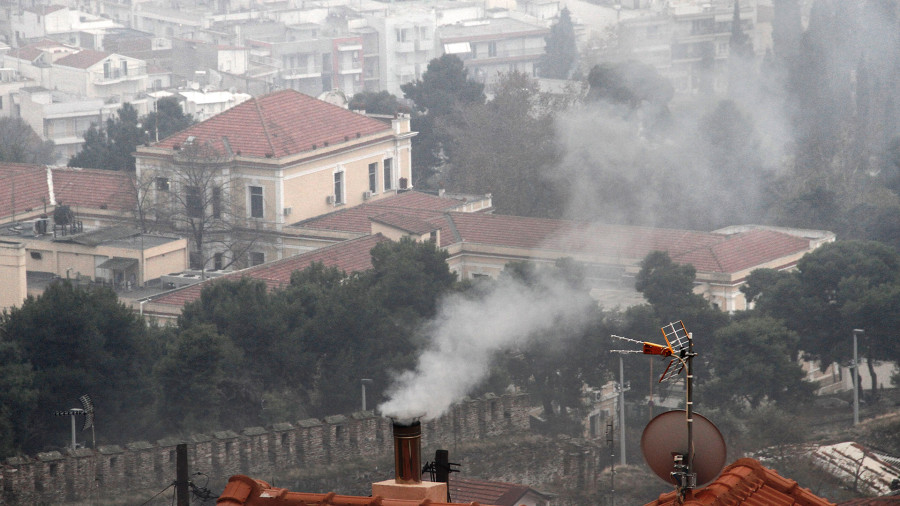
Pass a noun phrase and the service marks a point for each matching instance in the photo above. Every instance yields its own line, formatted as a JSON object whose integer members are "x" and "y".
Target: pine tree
{"x": 561, "y": 52}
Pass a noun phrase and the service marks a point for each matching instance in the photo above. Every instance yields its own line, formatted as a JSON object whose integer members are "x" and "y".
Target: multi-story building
{"x": 494, "y": 46}
{"x": 90, "y": 73}
{"x": 689, "y": 41}
{"x": 407, "y": 42}
{"x": 61, "y": 117}
{"x": 278, "y": 159}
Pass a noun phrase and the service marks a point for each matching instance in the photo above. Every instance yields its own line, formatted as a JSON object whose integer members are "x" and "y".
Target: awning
{"x": 457, "y": 48}
{"x": 118, "y": 264}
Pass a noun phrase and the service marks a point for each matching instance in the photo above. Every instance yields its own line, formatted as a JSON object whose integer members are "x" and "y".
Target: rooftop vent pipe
{"x": 407, "y": 451}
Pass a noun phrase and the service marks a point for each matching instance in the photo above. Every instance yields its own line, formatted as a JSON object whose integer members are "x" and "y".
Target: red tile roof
{"x": 26, "y": 187}
{"x": 26, "y": 53}
{"x": 280, "y": 124}
{"x": 747, "y": 483}
{"x": 357, "y": 219}
{"x": 486, "y": 492}
{"x": 742, "y": 251}
{"x": 707, "y": 252}
{"x": 245, "y": 491}
{"x": 22, "y": 186}
{"x": 82, "y": 59}
{"x": 406, "y": 222}
{"x": 349, "y": 256}
{"x": 94, "y": 188}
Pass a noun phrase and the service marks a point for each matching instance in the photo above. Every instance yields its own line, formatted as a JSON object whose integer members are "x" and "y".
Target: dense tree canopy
{"x": 68, "y": 342}
{"x": 444, "y": 88}
{"x": 561, "y": 55}
{"x": 839, "y": 287}
{"x": 20, "y": 144}
{"x": 507, "y": 147}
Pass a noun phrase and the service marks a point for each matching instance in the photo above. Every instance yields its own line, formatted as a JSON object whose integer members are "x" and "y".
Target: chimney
{"x": 407, "y": 482}
{"x": 407, "y": 452}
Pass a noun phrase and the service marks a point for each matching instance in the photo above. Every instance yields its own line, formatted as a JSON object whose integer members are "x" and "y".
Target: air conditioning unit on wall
{"x": 329, "y": 199}
{"x": 367, "y": 195}
{"x": 287, "y": 211}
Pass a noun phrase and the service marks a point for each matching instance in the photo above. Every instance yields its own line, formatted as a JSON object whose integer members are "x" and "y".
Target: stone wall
{"x": 58, "y": 477}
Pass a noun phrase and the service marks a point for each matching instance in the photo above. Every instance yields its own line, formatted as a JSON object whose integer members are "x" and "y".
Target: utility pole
{"x": 182, "y": 483}
{"x": 856, "y": 377}
{"x": 621, "y": 412}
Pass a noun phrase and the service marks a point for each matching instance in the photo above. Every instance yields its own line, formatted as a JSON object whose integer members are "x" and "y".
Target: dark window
{"x": 194, "y": 202}
{"x": 373, "y": 177}
{"x": 196, "y": 260}
{"x": 256, "y": 202}
{"x": 338, "y": 187}
{"x": 492, "y": 49}
{"x": 217, "y": 261}
{"x": 106, "y": 69}
{"x": 388, "y": 174}
{"x": 217, "y": 203}
{"x": 162, "y": 184}
{"x": 124, "y": 68}
{"x": 257, "y": 258}
{"x": 36, "y": 255}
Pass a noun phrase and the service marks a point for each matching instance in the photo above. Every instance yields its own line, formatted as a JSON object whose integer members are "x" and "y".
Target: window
{"x": 338, "y": 187}
{"x": 106, "y": 69}
{"x": 36, "y": 255}
{"x": 193, "y": 201}
{"x": 162, "y": 184}
{"x": 257, "y": 258}
{"x": 256, "y": 202}
{"x": 388, "y": 174}
{"x": 124, "y": 65}
{"x": 492, "y": 49}
{"x": 217, "y": 261}
{"x": 217, "y": 203}
{"x": 196, "y": 260}
{"x": 373, "y": 177}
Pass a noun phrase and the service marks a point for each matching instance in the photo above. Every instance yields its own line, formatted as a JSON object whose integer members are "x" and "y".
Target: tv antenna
{"x": 671, "y": 453}
{"x": 86, "y": 409}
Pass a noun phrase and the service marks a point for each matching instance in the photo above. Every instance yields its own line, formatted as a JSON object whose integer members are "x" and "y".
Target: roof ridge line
{"x": 453, "y": 228}
{"x": 262, "y": 121}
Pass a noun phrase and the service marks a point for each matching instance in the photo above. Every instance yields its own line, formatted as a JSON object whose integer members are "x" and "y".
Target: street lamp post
{"x": 364, "y": 382}
{"x": 856, "y": 377}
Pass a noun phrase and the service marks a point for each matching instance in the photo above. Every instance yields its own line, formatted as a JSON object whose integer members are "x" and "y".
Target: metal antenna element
{"x": 680, "y": 346}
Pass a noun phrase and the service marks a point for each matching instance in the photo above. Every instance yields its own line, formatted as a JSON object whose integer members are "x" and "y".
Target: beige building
{"x": 13, "y": 289}
{"x": 119, "y": 255}
{"x": 271, "y": 161}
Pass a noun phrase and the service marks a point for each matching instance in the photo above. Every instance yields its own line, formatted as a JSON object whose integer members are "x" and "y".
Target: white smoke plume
{"x": 466, "y": 335}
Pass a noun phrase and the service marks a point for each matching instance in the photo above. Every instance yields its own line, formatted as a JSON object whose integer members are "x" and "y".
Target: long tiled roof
{"x": 707, "y": 252}
{"x": 468, "y": 491}
{"x": 349, "y": 256}
{"x": 26, "y": 187}
{"x": 94, "y": 188}
{"x": 421, "y": 206}
{"x": 747, "y": 483}
{"x": 22, "y": 187}
{"x": 280, "y": 124}
{"x": 82, "y": 59}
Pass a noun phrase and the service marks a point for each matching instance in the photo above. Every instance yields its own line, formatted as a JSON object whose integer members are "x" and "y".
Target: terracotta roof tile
{"x": 82, "y": 59}
{"x": 466, "y": 490}
{"x": 406, "y": 222}
{"x": 280, "y": 124}
{"x": 747, "y": 483}
{"x": 357, "y": 219}
{"x": 22, "y": 186}
{"x": 743, "y": 251}
{"x": 349, "y": 256}
{"x": 94, "y": 188}
{"x": 26, "y": 53}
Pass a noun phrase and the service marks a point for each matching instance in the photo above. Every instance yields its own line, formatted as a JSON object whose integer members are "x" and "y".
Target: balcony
{"x": 302, "y": 73}
{"x": 114, "y": 76}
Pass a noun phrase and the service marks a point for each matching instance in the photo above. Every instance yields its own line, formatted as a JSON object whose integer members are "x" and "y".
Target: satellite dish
{"x": 666, "y": 436}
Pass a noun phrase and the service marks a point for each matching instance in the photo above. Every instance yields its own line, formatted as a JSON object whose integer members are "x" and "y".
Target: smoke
{"x": 468, "y": 333}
